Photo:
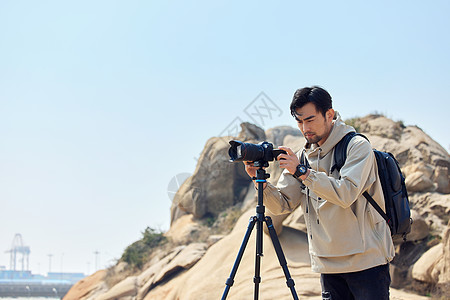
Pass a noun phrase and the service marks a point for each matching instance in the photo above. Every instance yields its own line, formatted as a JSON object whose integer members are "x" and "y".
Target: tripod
{"x": 261, "y": 177}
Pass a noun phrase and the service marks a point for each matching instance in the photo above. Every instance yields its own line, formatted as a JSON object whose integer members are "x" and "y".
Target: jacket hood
{"x": 338, "y": 131}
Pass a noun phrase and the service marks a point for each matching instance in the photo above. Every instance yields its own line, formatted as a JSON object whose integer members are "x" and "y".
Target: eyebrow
{"x": 305, "y": 119}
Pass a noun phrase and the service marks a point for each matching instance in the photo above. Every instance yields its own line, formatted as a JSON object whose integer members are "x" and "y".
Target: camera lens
{"x": 240, "y": 151}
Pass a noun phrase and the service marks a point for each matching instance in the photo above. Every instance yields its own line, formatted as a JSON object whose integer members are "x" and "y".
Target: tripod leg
{"x": 230, "y": 280}
{"x": 281, "y": 258}
{"x": 259, "y": 254}
{"x": 260, "y": 209}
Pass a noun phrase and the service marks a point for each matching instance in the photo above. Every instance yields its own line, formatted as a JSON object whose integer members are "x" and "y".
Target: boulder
{"x": 419, "y": 227}
{"x": 429, "y": 266}
{"x": 88, "y": 288}
{"x": 442, "y": 179}
{"x": 181, "y": 258}
{"x": 422, "y": 167}
{"x": 419, "y": 182}
{"x": 146, "y": 279}
{"x": 126, "y": 288}
{"x": 404, "y": 295}
{"x": 251, "y": 131}
{"x": 445, "y": 275}
{"x": 434, "y": 208}
{"x": 183, "y": 229}
{"x": 296, "y": 143}
{"x": 424, "y": 149}
{"x": 212, "y": 239}
{"x": 278, "y": 134}
{"x": 443, "y": 284}
{"x": 185, "y": 259}
{"x": 381, "y": 126}
{"x": 215, "y": 185}
{"x": 410, "y": 145}
{"x": 177, "y": 211}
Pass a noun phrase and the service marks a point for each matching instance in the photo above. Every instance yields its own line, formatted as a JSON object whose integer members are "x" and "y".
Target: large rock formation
{"x": 216, "y": 183}
{"x": 201, "y": 258}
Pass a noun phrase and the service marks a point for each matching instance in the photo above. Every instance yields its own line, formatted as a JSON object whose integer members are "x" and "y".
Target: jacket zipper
{"x": 317, "y": 200}
{"x": 308, "y": 214}
{"x": 316, "y": 206}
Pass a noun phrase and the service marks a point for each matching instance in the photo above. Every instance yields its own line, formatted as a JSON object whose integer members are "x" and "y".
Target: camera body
{"x": 262, "y": 152}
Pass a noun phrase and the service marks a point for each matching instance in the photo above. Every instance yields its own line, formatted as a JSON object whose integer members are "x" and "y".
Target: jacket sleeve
{"x": 356, "y": 176}
{"x": 285, "y": 197}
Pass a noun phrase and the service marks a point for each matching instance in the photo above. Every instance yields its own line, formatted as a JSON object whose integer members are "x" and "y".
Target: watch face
{"x": 302, "y": 169}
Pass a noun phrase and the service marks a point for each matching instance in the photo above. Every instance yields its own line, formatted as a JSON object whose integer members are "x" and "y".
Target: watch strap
{"x": 298, "y": 171}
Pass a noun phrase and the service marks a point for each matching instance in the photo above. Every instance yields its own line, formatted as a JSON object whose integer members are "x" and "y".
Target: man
{"x": 349, "y": 242}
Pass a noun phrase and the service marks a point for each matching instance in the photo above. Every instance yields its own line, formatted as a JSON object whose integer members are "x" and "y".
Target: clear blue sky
{"x": 102, "y": 103}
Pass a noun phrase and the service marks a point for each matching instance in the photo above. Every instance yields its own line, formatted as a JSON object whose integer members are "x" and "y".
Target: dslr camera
{"x": 260, "y": 153}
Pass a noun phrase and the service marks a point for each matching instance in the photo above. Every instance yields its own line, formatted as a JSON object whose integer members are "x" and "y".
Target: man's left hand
{"x": 290, "y": 161}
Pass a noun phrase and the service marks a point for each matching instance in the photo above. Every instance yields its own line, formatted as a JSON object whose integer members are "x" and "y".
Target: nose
{"x": 303, "y": 127}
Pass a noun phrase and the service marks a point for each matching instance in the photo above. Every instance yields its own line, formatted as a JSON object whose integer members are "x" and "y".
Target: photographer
{"x": 349, "y": 242}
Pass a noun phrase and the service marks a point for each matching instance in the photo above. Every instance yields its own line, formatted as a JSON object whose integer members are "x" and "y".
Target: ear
{"x": 330, "y": 115}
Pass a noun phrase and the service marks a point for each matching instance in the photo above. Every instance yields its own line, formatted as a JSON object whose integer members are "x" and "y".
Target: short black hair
{"x": 316, "y": 95}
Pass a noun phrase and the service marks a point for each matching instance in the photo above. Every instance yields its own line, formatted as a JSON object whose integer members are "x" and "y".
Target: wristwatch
{"x": 301, "y": 170}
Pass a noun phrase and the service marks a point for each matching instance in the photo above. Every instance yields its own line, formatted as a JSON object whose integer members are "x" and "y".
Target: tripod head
{"x": 261, "y": 173}
{"x": 261, "y": 163}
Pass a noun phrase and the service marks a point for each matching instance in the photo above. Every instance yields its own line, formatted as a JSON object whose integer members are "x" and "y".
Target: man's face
{"x": 314, "y": 126}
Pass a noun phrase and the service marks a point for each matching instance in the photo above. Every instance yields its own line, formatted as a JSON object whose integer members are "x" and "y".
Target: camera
{"x": 263, "y": 151}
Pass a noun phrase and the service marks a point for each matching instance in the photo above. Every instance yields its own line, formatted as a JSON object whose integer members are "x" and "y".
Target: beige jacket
{"x": 345, "y": 233}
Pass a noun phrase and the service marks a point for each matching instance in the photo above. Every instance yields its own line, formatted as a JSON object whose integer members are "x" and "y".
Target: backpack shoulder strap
{"x": 340, "y": 150}
{"x": 377, "y": 207}
{"x": 340, "y": 155}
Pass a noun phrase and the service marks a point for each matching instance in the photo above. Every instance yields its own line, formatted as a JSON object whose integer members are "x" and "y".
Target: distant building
{"x": 26, "y": 284}
{"x": 15, "y": 275}
{"x": 72, "y": 277}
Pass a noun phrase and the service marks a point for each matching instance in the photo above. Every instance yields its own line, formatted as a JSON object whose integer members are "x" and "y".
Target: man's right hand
{"x": 251, "y": 171}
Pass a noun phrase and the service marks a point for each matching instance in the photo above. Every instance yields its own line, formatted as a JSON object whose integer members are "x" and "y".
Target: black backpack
{"x": 398, "y": 213}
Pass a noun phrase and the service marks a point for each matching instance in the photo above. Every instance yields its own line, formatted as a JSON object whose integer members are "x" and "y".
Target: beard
{"x": 314, "y": 139}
